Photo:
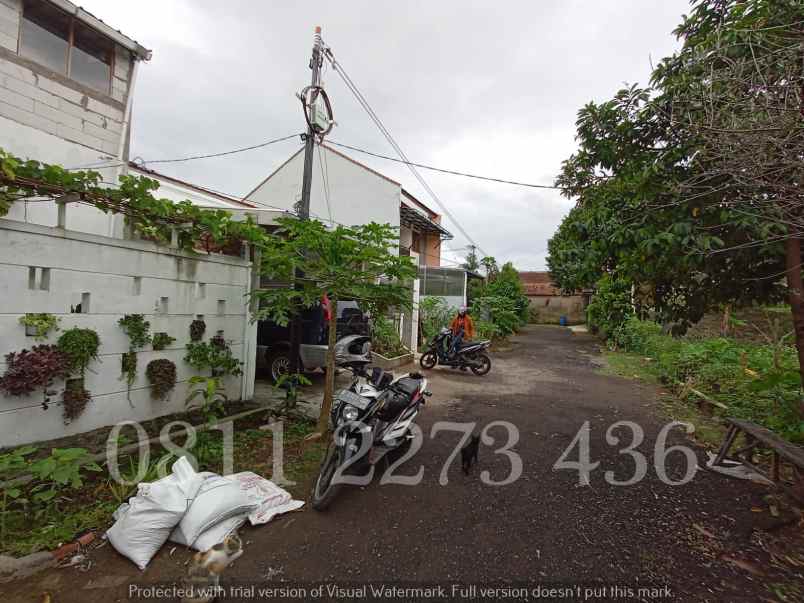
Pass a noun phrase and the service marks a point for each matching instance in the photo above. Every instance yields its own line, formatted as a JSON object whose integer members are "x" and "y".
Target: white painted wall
{"x": 356, "y": 195}
{"x": 106, "y": 268}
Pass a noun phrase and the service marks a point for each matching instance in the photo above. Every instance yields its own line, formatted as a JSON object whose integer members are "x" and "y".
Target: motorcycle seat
{"x": 407, "y": 385}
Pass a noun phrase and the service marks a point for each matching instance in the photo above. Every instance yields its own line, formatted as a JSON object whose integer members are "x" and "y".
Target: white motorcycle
{"x": 371, "y": 418}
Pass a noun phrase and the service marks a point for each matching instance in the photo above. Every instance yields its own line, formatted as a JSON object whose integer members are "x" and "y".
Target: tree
{"x": 344, "y": 263}
{"x": 490, "y": 266}
{"x": 472, "y": 263}
{"x": 738, "y": 86}
{"x": 632, "y": 218}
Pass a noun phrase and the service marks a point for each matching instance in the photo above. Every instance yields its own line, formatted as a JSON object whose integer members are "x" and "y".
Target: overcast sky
{"x": 485, "y": 87}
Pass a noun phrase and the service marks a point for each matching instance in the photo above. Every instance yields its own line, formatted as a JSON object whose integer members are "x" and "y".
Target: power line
{"x": 378, "y": 122}
{"x": 224, "y": 153}
{"x": 443, "y": 170}
{"x": 144, "y": 162}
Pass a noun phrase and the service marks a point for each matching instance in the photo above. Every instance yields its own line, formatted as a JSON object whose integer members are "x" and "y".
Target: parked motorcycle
{"x": 470, "y": 354}
{"x": 371, "y": 418}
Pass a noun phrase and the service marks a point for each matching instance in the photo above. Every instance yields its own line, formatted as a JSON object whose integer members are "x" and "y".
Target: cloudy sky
{"x": 475, "y": 86}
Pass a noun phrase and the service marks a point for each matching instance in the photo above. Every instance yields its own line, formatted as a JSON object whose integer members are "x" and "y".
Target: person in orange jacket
{"x": 462, "y": 328}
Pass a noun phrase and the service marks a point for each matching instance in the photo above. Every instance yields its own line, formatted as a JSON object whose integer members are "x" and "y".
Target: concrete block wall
{"x": 38, "y": 98}
{"x": 169, "y": 287}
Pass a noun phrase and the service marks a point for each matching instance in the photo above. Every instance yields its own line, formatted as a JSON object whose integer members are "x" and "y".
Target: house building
{"x": 548, "y": 304}
{"x": 66, "y": 88}
{"x": 347, "y": 191}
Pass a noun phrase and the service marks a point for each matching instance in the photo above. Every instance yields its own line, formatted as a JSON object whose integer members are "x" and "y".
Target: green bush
{"x": 501, "y": 311}
{"x": 758, "y": 383}
{"x": 385, "y": 338}
{"x": 610, "y": 306}
{"x": 434, "y": 314}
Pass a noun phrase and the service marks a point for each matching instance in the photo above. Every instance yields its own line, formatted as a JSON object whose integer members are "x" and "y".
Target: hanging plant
{"x": 31, "y": 369}
{"x": 39, "y": 325}
{"x": 74, "y": 399}
{"x": 161, "y": 340}
{"x": 136, "y": 327}
{"x": 161, "y": 374}
{"x": 197, "y": 328}
{"x": 215, "y": 355}
{"x": 80, "y": 346}
{"x": 128, "y": 367}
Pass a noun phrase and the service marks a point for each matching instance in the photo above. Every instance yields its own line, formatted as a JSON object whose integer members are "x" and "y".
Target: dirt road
{"x": 542, "y": 528}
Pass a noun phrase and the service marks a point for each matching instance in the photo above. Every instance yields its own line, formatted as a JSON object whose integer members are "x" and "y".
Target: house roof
{"x": 538, "y": 283}
{"x": 115, "y": 34}
{"x": 189, "y": 185}
{"x": 408, "y": 215}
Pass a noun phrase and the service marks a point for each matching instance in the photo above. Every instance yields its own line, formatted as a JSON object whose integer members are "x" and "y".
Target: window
{"x": 65, "y": 45}
{"x": 91, "y": 57}
{"x": 45, "y": 35}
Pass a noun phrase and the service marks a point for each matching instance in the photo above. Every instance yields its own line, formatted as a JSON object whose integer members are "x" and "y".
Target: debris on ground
{"x": 735, "y": 469}
{"x": 196, "y": 510}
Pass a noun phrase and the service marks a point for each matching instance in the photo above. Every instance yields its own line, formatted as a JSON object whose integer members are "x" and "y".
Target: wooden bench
{"x": 759, "y": 437}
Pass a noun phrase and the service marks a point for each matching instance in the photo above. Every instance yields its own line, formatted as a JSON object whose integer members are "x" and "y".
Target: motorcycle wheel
{"x": 428, "y": 360}
{"x": 484, "y": 364}
{"x": 324, "y": 491}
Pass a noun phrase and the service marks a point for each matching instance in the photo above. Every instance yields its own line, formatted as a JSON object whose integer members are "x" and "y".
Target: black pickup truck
{"x": 273, "y": 340}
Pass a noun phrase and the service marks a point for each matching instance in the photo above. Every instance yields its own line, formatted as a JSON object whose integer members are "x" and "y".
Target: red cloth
{"x": 327, "y": 307}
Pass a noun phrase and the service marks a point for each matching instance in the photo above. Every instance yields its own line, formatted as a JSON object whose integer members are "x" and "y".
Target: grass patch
{"x": 32, "y": 526}
{"x": 709, "y": 431}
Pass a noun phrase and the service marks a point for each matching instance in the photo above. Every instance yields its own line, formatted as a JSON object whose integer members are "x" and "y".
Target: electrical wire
{"x": 324, "y": 181}
{"x": 338, "y": 68}
{"x": 444, "y": 170}
{"x": 144, "y": 162}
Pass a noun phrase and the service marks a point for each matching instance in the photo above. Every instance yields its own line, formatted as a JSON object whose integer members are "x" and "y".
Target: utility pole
{"x": 303, "y": 208}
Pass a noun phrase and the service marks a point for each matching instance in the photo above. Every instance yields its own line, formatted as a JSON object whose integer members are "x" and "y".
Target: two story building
{"x": 66, "y": 88}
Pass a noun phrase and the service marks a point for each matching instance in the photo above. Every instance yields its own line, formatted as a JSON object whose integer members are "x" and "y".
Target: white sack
{"x": 218, "y": 532}
{"x": 144, "y": 524}
{"x": 218, "y": 499}
{"x": 270, "y": 498}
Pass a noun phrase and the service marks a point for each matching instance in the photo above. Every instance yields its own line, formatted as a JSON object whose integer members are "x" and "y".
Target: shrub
{"x": 756, "y": 382}
{"x": 501, "y": 311}
{"x": 434, "y": 315}
{"x": 385, "y": 338}
{"x": 610, "y": 306}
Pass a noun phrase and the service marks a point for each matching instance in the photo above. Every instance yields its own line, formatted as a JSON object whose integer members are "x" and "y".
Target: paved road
{"x": 544, "y": 527}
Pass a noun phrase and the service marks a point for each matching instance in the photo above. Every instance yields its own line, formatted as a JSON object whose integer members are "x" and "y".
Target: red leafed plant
{"x": 31, "y": 369}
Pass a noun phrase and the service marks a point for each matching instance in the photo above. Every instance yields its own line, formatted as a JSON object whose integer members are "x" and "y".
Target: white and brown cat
{"x": 203, "y": 576}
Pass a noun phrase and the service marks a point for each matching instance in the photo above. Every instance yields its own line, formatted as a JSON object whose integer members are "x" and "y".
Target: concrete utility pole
{"x": 303, "y": 208}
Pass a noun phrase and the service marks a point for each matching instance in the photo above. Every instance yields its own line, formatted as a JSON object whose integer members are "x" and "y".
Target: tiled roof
{"x": 538, "y": 283}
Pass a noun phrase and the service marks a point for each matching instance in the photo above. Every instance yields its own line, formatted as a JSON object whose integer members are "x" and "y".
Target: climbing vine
{"x": 152, "y": 218}
{"x": 137, "y": 329}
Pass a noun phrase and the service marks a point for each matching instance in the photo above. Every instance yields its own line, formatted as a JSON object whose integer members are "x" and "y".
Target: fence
{"x": 91, "y": 281}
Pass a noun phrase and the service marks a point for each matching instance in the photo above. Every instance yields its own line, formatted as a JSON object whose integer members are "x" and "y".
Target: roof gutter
{"x": 79, "y": 13}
